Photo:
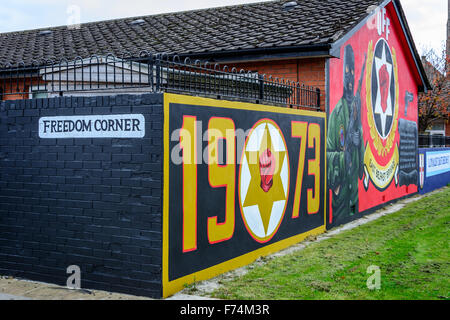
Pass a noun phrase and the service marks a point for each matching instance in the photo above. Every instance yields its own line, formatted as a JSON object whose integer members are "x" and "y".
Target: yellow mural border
{"x": 171, "y": 287}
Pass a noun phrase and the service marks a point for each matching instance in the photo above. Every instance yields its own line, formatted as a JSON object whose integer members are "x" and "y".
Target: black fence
{"x": 433, "y": 141}
{"x": 150, "y": 73}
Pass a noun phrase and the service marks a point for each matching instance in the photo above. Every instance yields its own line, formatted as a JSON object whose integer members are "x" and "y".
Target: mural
{"x": 243, "y": 180}
{"x": 345, "y": 148}
{"x": 372, "y": 123}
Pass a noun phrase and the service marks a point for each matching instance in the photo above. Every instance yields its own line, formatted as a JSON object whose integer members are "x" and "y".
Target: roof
{"x": 257, "y": 27}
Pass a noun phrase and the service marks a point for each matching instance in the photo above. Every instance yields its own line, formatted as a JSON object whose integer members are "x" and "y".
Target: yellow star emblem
{"x": 255, "y": 194}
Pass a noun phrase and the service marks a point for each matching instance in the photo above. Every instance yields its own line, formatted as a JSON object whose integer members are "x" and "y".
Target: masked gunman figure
{"x": 345, "y": 146}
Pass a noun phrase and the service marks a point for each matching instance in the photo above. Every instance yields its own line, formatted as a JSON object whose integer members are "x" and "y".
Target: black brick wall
{"x": 95, "y": 203}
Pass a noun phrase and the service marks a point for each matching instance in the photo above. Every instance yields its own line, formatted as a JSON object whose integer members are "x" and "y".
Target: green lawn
{"x": 411, "y": 248}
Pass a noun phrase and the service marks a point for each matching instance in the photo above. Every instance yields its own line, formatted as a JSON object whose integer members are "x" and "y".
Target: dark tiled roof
{"x": 241, "y": 27}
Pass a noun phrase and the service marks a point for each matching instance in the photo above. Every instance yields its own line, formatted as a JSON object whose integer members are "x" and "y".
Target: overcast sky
{"x": 427, "y": 18}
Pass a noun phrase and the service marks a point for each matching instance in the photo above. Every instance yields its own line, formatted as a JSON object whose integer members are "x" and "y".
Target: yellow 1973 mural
{"x": 240, "y": 180}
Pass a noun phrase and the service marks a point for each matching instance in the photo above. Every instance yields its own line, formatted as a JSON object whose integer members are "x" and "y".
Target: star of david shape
{"x": 255, "y": 194}
{"x": 379, "y": 63}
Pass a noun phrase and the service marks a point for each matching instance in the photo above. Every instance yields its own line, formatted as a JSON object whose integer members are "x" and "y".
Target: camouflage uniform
{"x": 345, "y": 146}
{"x": 343, "y": 174}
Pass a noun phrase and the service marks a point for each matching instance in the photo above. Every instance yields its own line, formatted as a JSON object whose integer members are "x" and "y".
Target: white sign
{"x": 438, "y": 162}
{"x": 106, "y": 126}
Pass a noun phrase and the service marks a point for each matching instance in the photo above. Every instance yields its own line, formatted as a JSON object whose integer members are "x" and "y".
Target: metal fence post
{"x": 261, "y": 87}
{"x": 158, "y": 74}
{"x": 318, "y": 98}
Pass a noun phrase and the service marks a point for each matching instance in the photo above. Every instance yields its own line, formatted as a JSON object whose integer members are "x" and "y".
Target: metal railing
{"x": 148, "y": 72}
{"x": 433, "y": 141}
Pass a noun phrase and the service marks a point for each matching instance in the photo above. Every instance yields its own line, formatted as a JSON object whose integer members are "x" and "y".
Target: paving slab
{"x": 11, "y": 297}
{"x": 19, "y": 289}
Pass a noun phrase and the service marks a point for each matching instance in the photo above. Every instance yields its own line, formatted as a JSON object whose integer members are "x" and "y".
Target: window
{"x": 438, "y": 126}
{"x": 39, "y": 94}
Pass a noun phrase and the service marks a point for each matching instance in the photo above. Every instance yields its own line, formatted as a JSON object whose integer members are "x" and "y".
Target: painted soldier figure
{"x": 345, "y": 146}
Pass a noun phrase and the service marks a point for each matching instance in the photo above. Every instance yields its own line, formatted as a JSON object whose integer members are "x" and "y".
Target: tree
{"x": 434, "y": 105}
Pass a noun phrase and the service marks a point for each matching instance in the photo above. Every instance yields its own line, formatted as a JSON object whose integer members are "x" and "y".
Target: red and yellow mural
{"x": 242, "y": 180}
{"x": 372, "y": 119}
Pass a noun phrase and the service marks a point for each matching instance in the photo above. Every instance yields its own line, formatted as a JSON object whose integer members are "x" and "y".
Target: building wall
{"x": 91, "y": 202}
{"x": 310, "y": 71}
{"x": 13, "y": 85}
{"x": 372, "y": 158}
{"x": 17, "y": 87}
{"x": 103, "y": 204}
{"x": 222, "y": 212}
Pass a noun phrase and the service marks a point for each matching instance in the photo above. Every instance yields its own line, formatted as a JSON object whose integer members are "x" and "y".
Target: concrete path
{"x": 11, "y": 297}
{"x": 18, "y": 289}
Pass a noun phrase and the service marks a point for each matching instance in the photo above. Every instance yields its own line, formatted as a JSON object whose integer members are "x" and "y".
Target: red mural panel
{"x": 372, "y": 119}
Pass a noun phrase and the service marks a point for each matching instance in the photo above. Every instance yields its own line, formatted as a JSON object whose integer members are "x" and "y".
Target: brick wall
{"x": 309, "y": 71}
{"x": 95, "y": 203}
{"x": 11, "y": 89}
